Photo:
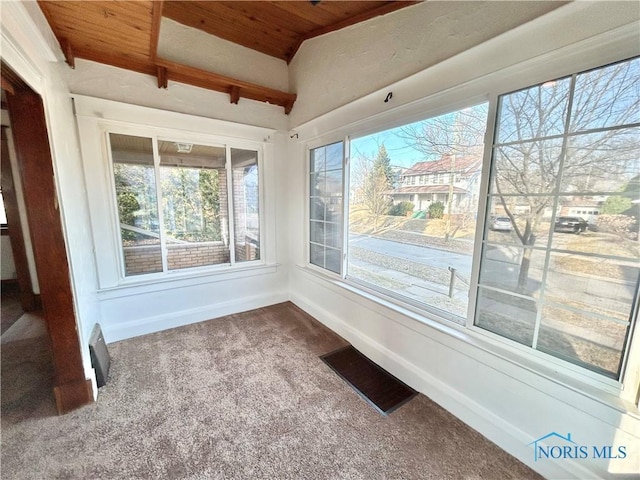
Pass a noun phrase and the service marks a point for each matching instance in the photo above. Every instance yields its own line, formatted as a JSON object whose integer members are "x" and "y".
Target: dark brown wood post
{"x": 33, "y": 153}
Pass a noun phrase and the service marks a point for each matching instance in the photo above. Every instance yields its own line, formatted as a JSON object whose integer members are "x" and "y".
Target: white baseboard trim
{"x": 143, "y": 326}
{"x": 504, "y": 434}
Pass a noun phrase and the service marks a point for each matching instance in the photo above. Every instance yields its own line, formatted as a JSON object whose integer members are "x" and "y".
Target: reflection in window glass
{"x": 194, "y": 204}
{"x": 136, "y": 197}
{"x": 246, "y": 204}
{"x": 325, "y": 207}
{"x": 413, "y": 206}
{"x": 570, "y": 263}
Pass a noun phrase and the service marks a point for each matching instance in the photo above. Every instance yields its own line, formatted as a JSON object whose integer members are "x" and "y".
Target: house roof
{"x": 468, "y": 163}
{"x": 425, "y": 189}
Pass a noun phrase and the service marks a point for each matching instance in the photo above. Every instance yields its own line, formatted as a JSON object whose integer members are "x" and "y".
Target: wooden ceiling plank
{"x": 209, "y": 20}
{"x": 79, "y": 23}
{"x": 307, "y": 12}
{"x": 210, "y": 17}
{"x": 136, "y": 14}
{"x": 155, "y": 28}
{"x": 264, "y": 14}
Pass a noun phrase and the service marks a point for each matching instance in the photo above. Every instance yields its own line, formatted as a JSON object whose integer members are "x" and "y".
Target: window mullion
{"x": 163, "y": 241}
{"x": 483, "y": 202}
{"x": 346, "y": 170}
{"x": 230, "y": 205}
{"x": 554, "y": 211}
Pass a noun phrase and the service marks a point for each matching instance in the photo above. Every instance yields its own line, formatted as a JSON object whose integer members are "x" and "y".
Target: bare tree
{"x": 539, "y": 156}
{"x": 374, "y": 179}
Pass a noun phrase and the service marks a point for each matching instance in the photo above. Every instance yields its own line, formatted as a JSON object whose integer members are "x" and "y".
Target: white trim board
{"x": 158, "y": 323}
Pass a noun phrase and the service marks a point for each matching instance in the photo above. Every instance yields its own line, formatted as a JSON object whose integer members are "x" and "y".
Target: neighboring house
{"x": 587, "y": 208}
{"x": 429, "y": 182}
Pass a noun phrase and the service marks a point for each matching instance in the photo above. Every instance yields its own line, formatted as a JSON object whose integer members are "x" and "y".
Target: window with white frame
{"x": 416, "y": 244}
{"x": 184, "y": 205}
{"x": 325, "y": 206}
{"x": 510, "y": 259}
{"x": 551, "y": 281}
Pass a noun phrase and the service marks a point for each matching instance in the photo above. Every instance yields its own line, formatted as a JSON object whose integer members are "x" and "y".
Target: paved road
{"x": 501, "y": 268}
{"x": 434, "y": 257}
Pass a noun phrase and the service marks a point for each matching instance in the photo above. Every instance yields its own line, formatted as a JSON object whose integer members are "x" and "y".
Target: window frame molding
{"x": 96, "y": 118}
{"x": 593, "y": 52}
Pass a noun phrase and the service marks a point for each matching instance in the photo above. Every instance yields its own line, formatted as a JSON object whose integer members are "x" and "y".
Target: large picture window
{"x": 565, "y": 175}
{"x": 413, "y": 200}
{"x": 541, "y": 249}
{"x": 174, "y": 204}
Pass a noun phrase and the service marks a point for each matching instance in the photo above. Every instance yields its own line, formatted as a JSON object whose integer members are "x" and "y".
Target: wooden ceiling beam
{"x": 67, "y": 50}
{"x": 155, "y": 28}
{"x": 220, "y": 83}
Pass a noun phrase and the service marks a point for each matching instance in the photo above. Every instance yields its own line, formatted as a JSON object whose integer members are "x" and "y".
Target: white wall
{"x": 508, "y": 398}
{"x": 332, "y": 70}
{"x": 196, "y": 48}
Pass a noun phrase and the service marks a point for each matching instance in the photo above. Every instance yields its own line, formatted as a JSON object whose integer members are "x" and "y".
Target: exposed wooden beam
{"x": 163, "y": 80}
{"x": 155, "y": 28}
{"x": 382, "y": 10}
{"x": 69, "y": 57}
{"x": 234, "y": 94}
{"x": 220, "y": 83}
{"x": 7, "y": 86}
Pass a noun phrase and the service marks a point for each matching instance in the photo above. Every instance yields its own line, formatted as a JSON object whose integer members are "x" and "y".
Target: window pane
{"x": 531, "y": 222}
{"x": 527, "y": 169}
{"x": 137, "y": 203}
{"x": 194, "y": 204}
{"x": 415, "y": 240}
{"x": 516, "y": 269}
{"x": 507, "y": 315}
{"x": 607, "y": 97}
{"x": 593, "y": 343}
{"x": 599, "y": 286}
{"x": 246, "y": 204}
{"x": 536, "y": 112}
{"x": 317, "y": 255}
{"x": 325, "y": 206}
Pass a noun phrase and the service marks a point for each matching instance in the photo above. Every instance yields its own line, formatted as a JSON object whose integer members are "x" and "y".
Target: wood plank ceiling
{"x": 125, "y": 33}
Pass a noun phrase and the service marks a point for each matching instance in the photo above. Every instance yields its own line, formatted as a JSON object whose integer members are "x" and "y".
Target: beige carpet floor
{"x": 243, "y": 396}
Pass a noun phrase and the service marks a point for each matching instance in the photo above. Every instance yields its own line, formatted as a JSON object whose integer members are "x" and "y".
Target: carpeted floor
{"x": 243, "y": 396}
{"x": 9, "y": 306}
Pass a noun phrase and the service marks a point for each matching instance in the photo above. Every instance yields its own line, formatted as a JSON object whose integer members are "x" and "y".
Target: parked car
{"x": 502, "y": 224}
{"x": 570, "y": 224}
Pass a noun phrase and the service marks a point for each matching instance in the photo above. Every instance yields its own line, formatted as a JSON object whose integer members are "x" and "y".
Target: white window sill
{"x": 501, "y": 355}
{"x": 183, "y": 278}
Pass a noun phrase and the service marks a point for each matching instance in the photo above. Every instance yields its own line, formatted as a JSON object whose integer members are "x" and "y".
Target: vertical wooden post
{"x": 31, "y": 140}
